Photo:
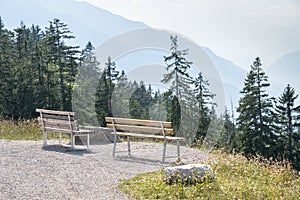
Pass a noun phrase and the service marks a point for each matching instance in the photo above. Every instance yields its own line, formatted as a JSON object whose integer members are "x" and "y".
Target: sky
{"x": 238, "y": 30}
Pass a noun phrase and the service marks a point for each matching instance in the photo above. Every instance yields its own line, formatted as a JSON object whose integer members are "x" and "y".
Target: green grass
{"x": 235, "y": 177}
{"x": 22, "y": 130}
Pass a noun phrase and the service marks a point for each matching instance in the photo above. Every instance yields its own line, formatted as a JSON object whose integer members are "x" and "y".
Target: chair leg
{"x": 115, "y": 144}
{"x": 128, "y": 143}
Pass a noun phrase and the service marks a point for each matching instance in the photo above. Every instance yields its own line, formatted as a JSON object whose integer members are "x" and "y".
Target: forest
{"x": 39, "y": 69}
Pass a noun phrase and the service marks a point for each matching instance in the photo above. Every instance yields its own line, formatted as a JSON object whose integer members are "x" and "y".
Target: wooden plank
{"x": 138, "y": 122}
{"x": 145, "y": 129}
{"x": 63, "y": 124}
{"x": 55, "y": 112}
{"x": 68, "y": 131}
{"x": 58, "y": 117}
{"x": 148, "y": 136}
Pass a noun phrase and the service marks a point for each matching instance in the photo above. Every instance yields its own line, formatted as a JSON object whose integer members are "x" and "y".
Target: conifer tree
{"x": 289, "y": 116}
{"x": 226, "y": 139}
{"x": 203, "y": 101}
{"x": 111, "y": 77}
{"x": 7, "y": 100}
{"x": 177, "y": 67}
{"x": 63, "y": 56}
{"x": 84, "y": 93}
{"x": 255, "y": 123}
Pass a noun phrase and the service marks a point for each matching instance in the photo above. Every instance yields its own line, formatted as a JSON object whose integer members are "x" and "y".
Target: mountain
{"x": 232, "y": 76}
{"x": 90, "y": 23}
{"x": 87, "y": 22}
{"x": 285, "y": 71}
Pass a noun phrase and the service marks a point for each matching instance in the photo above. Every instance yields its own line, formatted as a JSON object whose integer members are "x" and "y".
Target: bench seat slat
{"x": 145, "y": 129}
{"x": 148, "y": 136}
{"x": 55, "y": 112}
{"x": 141, "y": 122}
{"x": 54, "y": 123}
{"x": 79, "y": 132}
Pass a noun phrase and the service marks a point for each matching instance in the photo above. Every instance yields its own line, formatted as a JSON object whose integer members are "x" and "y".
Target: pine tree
{"x": 289, "y": 116}
{"x": 7, "y": 83}
{"x": 255, "y": 123}
{"x": 62, "y": 56}
{"x": 84, "y": 93}
{"x": 203, "y": 101}
{"x": 226, "y": 139}
{"x": 24, "y": 74}
{"x": 111, "y": 76}
{"x": 177, "y": 67}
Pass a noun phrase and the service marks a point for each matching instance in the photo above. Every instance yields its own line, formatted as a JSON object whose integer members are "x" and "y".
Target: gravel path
{"x": 28, "y": 171}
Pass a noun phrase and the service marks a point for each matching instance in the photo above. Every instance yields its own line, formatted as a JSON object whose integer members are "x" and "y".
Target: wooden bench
{"x": 61, "y": 122}
{"x": 142, "y": 129}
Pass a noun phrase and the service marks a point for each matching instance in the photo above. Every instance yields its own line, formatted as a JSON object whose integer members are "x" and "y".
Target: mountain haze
{"x": 87, "y": 22}
{"x": 286, "y": 70}
{"x": 90, "y": 23}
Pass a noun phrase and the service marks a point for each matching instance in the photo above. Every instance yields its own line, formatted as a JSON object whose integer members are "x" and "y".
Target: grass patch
{"x": 235, "y": 177}
{"x": 22, "y": 130}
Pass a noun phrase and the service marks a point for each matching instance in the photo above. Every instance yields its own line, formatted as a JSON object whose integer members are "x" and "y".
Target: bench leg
{"x": 128, "y": 143}
{"x": 88, "y": 141}
{"x": 115, "y": 144}
{"x": 164, "y": 152}
{"x": 44, "y": 138}
{"x": 72, "y": 141}
{"x": 178, "y": 151}
{"x": 59, "y": 139}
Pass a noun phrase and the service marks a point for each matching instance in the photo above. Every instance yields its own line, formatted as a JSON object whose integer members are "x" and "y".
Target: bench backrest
{"x": 139, "y": 126}
{"x": 57, "y": 120}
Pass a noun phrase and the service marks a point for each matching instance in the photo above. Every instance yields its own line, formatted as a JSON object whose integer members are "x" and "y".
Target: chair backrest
{"x": 57, "y": 119}
{"x": 139, "y": 126}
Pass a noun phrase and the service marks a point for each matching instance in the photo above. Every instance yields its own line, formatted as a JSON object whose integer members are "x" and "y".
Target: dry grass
{"x": 235, "y": 177}
{"x": 22, "y": 130}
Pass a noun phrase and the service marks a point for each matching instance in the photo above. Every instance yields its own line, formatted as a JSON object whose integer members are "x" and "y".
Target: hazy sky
{"x": 239, "y": 30}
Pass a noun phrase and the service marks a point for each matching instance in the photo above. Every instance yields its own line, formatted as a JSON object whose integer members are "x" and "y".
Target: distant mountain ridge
{"x": 286, "y": 70}
{"x": 87, "y": 22}
{"x": 90, "y": 23}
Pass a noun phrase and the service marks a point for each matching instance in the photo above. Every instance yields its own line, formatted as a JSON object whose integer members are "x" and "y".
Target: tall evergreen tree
{"x": 7, "y": 61}
{"x": 24, "y": 73}
{"x": 289, "y": 116}
{"x": 203, "y": 101}
{"x": 84, "y": 92}
{"x": 255, "y": 123}
{"x": 177, "y": 67}
{"x": 111, "y": 76}
{"x": 63, "y": 56}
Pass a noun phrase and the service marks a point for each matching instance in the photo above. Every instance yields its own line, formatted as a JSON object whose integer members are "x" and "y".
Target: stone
{"x": 101, "y": 136}
{"x": 189, "y": 172}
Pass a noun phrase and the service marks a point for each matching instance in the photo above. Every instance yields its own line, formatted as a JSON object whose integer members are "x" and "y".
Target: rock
{"x": 101, "y": 136}
{"x": 189, "y": 172}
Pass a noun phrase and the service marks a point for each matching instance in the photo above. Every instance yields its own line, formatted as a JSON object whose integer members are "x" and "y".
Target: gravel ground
{"x": 28, "y": 171}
